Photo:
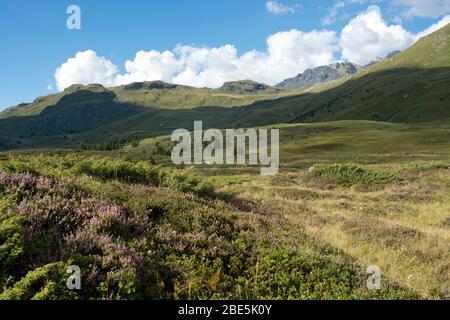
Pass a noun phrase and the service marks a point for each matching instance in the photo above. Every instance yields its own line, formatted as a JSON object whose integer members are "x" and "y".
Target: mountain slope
{"x": 411, "y": 87}
{"x": 159, "y": 94}
{"x": 432, "y": 51}
{"x": 379, "y": 59}
{"x": 247, "y": 87}
{"x": 318, "y": 75}
{"x": 83, "y": 109}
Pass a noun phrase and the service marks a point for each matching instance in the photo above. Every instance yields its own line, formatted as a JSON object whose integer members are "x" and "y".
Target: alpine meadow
{"x": 88, "y": 177}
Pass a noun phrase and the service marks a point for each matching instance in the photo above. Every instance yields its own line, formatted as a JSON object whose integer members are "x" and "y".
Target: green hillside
{"x": 158, "y": 94}
{"x": 411, "y": 87}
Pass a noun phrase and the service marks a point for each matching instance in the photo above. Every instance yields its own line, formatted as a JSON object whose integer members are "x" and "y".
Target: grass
{"x": 302, "y": 234}
{"x": 136, "y": 239}
{"x": 401, "y": 227}
{"x": 378, "y": 192}
{"x": 389, "y": 208}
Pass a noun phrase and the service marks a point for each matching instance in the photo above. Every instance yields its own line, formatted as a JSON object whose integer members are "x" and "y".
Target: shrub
{"x": 106, "y": 169}
{"x": 429, "y": 165}
{"x": 351, "y": 174}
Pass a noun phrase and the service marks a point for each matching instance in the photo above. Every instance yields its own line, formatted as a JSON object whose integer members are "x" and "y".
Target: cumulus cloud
{"x": 364, "y": 38}
{"x": 86, "y": 67}
{"x": 434, "y": 27}
{"x": 424, "y": 8}
{"x": 287, "y": 54}
{"x": 278, "y": 8}
{"x": 369, "y": 36}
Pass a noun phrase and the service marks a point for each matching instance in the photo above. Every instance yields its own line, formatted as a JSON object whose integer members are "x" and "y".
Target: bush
{"x": 351, "y": 174}
{"x": 420, "y": 166}
{"x": 106, "y": 169}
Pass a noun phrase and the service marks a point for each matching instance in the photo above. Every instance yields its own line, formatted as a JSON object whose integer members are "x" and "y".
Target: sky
{"x": 45, "y": 47}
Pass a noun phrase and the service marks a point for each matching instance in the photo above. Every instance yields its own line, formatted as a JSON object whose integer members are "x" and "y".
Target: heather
{"x": 140, "y": 231}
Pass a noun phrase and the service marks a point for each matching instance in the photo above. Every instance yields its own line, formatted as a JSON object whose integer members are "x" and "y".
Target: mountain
{"x": 320, "y": 74}
{"x": 247, "y": 87}
{"x": 150, "y": 85}
{"x": 379, "y": 59}
{"x": 159, "y": 94}
{"x": 411, "y": 87}
{"x": 393, "y": 54}
{"x": 81, "y": 108}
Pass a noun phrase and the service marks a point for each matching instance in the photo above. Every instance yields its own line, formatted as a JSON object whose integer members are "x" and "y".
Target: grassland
{"x": 378, "y": 192}
{"x": 142, "y": 231}
{"x": 371, "y": 190}
{"x": 350, "y": 194}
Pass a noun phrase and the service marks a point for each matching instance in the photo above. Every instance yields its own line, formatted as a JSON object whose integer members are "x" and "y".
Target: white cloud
{"x": 434, "y": 27}
{"x": 332, "y": 14}
{"x": 86, "y": 67}
{"x": 368, "y": 36}
{"x": 278, "y": 8}
{"x": 424, "y": 8}
{"x": 288, "y": 53}
{"x": 150, "y": 65}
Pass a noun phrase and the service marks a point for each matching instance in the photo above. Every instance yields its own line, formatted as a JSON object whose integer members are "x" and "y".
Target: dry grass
{"x": 402, "y": 227}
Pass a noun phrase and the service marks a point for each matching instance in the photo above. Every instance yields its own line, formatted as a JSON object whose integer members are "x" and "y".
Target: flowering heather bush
{"x": 138, "y": 231}
{"x": 106, "y": 169}
{"x": 122, "y": 250}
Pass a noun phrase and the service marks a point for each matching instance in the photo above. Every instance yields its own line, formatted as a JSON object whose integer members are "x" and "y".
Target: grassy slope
{"x": 182, "y": 97}
{"x": 412, "y": 87}
{"x": 401, "y": 225}
{"x": 33, "y": 108}
{"x": 134, "y": 238}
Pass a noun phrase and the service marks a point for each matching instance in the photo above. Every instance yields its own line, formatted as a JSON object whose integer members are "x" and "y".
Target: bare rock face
{"x": 149, "y": 85}
{"x": 247, "y": 86}
{"x": 318, "y": 75}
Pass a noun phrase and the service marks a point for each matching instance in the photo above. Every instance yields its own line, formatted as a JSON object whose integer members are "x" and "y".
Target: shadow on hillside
{"x": 396, "y": 95}
{"x": 76, "y": 112}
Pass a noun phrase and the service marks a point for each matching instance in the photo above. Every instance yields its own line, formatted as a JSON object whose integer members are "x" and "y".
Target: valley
{"x": 86, "y": 179}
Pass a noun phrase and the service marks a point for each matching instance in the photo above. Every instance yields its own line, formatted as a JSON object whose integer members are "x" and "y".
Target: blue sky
{"x": 36, "y": 42}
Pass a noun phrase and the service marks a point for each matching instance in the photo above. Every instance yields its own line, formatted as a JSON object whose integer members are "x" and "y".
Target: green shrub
{"x": 186, "y": 182}
{"x": 47, "y": 282}
{"x": 126, "y": 171}
{"x": 351, "y": 174}
{"x": 420, "y": 166}
{"x": 11, "y": 244}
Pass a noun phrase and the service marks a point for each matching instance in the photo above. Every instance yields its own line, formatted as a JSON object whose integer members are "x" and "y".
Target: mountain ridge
{"x": 411, "y": 87}
{"x": 321, "y": 74}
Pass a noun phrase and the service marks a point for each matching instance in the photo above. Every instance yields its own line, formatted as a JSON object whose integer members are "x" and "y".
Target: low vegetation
{"x": 351, "y": 174}
{"x": 139, "y": 231}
